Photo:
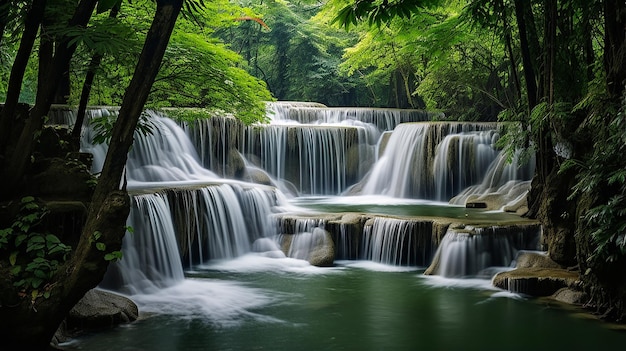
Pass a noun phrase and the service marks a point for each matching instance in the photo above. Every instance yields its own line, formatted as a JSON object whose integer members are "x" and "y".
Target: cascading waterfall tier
{"x": 151, "y": 259}
{"x": 398, "y": 242}
{"x": 184, "y": 215}
{"x": 175, "y": 228}
{"x": 382, "y": 118}
{"x": 308, "y": 147}
{"x": 478, "y": 251}
{"x": 387, "y": 240}
{"x": 437, "y": 161}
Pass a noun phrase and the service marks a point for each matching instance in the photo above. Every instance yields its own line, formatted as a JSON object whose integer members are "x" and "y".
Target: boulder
{"x": 536, "y": 281}
{"x": 569, "y": 296}
{"x": 259, "y": 176}
{"x": 535, "y": 259}
{"x": 316, "y": 247}
{"x": 98, "y": 309}
{"x": 101, "y": 309}
{"x": 323, "y": 252}
{"x": 536, "y": 274}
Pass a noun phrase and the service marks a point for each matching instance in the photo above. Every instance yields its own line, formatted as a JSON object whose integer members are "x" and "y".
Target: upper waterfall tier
{"x": 438, "y": 160}
{"x": 383, "y": 118}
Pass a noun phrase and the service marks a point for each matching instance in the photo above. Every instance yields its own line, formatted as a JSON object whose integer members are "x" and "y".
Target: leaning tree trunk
{"x": 16, "y": 164}
{"x": 86, "y": 90}
{"x": 33, "y": 325}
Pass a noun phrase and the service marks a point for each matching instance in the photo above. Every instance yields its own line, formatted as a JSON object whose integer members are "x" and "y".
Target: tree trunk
{"x": 527, "y": 60}
{"x": 18, "y": 161}
{"x": 109, "y": 208}
{"x": 86, "y": 90}
{"x": 615, "y": 46}
{"x": 8, "y": 113}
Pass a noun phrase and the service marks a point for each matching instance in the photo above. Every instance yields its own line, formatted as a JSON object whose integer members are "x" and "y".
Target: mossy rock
{"x": 62, "y": 179}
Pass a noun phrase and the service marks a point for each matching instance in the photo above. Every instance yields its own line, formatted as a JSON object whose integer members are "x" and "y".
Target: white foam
{"x": 266, "y": 262}
{"x": 476, "y": 283}
{"x": 217, "y": 302}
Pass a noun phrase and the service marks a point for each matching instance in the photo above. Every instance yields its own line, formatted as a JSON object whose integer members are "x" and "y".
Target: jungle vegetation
{"x": 556, "y": 67}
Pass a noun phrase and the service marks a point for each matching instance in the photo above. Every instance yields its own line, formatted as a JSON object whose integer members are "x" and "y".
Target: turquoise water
{"x": 382, "y": 205}
{"x": 258, "y": 303}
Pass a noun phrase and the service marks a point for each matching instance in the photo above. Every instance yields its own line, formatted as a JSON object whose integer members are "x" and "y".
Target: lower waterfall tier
{"x": 178, "y": 228}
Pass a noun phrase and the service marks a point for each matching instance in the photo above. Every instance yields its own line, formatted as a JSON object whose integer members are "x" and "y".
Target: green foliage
{"x": 377, "y": 12}
{"x": 201, "y": 72}
{"x": 103, "y": 126}
{"x": 34, "y": 256}
{"x": 603, "y": 172}
{"x": 115, "y": 255}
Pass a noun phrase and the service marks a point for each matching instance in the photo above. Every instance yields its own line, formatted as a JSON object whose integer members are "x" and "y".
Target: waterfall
{"x": 304, "y": 243}
{"x": 436, "y": 161}
{"x": 474, "y": 251}
{"x": 320, "y": 160}
{"x": 398, "y": 242}
{"x": 504, "y": 184}
{"x": 382, "y": 118}
{"x": 161, "y": 153}
{"x": 150, "y": 260}
{"x": 185, "y": 214}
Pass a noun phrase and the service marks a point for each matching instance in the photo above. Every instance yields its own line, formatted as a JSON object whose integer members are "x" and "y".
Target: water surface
{"x": 258, "y": 303}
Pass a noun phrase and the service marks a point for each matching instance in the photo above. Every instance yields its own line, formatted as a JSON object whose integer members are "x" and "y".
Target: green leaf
{"x": 13, "y": 258}
{"x": 101, "y": 246}
{"x": 27, "y": 199}
{"x": 16, "y": 270}
{"x": 20, "y": 239}
{"x": 36, "y": 282}
{"x": 105, "y": 5}
{"x": 113, "y": 256}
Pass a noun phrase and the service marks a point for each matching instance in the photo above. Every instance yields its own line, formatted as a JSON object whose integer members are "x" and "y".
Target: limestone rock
{"x": 323, "y": 254}
{"x": 96, "y": 310}
{"x": 535, "y": 281}
{"x": 570, "y": 296}
{"x": 101, "y": 309}
{"x": 535, "y": 259}
{"x": 316, "y": 247}
{"x": 259, "y": 176}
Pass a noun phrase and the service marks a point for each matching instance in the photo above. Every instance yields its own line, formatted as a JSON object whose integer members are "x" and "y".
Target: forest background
{"x": 555, "y": 67}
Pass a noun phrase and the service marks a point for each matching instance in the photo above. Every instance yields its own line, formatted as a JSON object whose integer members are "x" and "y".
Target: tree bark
{"x": 615, "y": 46}
{"x": 17, "y": 162}
{"x": 527, "y": 60}
{"x": 32, "y": 22}
{"x": 86, "y": 90}
{"x": 108, "y": 211}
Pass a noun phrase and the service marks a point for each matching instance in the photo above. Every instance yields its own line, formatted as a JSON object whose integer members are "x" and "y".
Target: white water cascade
{"x": 398, "y": 242}
{"x": 481, "y": 251}
{"x": 151, "y": 260}
{"x": 437, "y": 161}
{"x": 200, "y": 216}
